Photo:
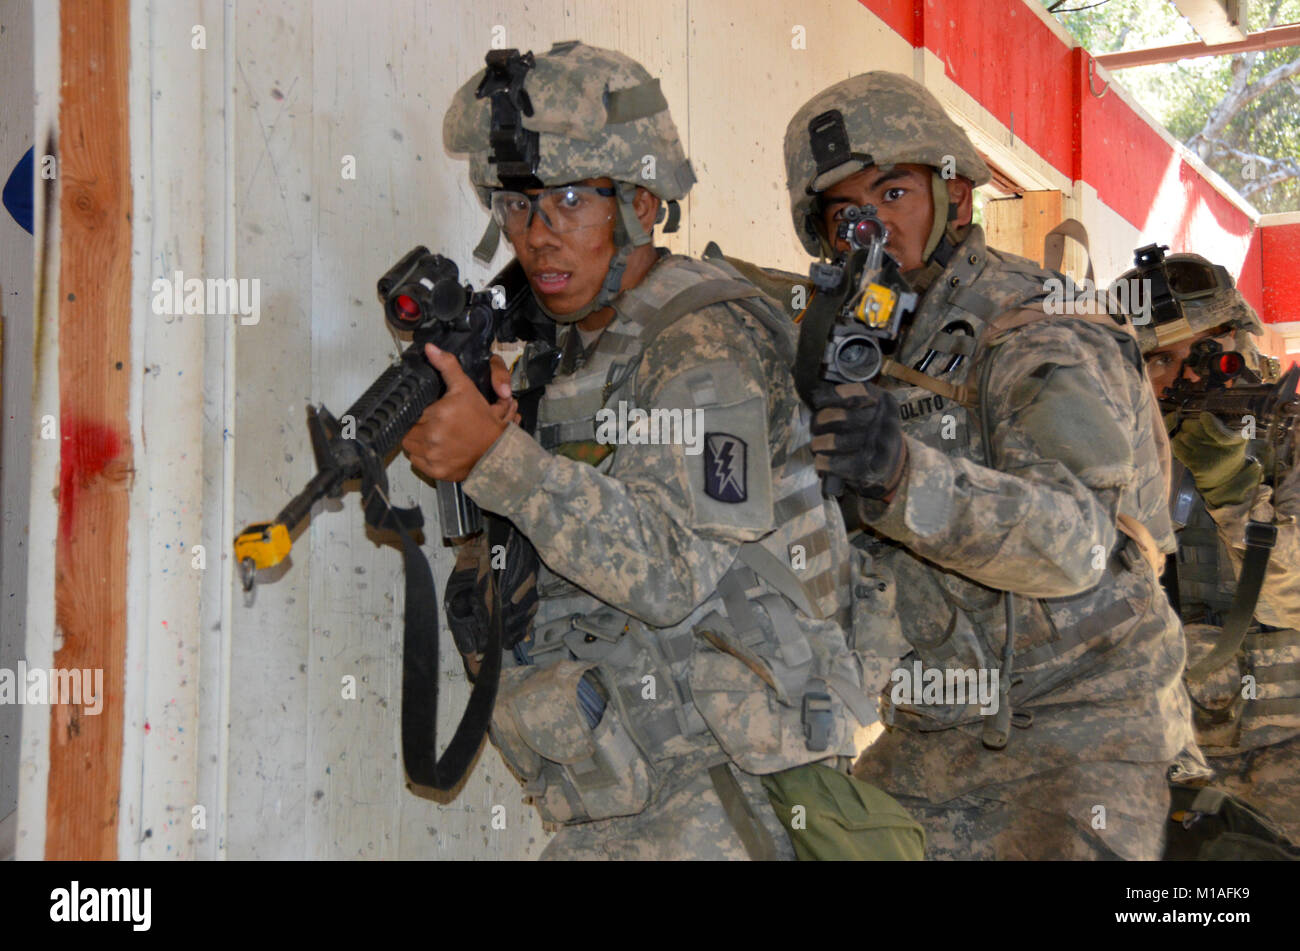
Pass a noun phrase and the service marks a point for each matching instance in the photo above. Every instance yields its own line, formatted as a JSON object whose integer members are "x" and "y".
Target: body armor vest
{"x": 780, "y": 609}
{"x": 950, "y": 620}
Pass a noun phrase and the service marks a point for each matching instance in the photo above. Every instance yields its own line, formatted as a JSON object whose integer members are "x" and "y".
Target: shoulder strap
{"x": 1146, "y": 542}
{"x": 959, "y": 393}
{"x": 969, "y": 396}
{"x": 1260, "y": 539}
{"x": 718, "y": 291}
{"x": 693, "y": 298}
{"x": 1054, "y": 244}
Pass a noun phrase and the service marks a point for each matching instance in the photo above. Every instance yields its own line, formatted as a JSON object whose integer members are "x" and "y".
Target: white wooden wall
{"x": 237, "y": 155}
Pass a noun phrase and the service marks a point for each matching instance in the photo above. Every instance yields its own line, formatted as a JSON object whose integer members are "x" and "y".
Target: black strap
{"x": 420, "y": 656}
{"x": 420, "y": 684}
{"x": 1260, "y": 538}
{"x": 1169, "y": 580}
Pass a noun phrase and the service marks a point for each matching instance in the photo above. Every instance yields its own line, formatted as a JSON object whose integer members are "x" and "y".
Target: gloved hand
{"x": 857, "y": 436}
{"x": 1216, "y": 457}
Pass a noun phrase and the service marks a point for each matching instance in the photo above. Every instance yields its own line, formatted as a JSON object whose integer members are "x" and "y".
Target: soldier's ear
{"x": 646, "y": 206}
{"x": 962, "y": 194}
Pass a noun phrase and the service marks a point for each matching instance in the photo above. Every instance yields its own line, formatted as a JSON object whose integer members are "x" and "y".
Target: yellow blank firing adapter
{"x": 264, "y": 544}
{"x": 876, "y": 306}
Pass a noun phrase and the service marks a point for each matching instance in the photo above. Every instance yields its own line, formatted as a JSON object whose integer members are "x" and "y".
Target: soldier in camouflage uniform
{"x": 1008, "y": 468}
{"x": 1251, "y": 735}
{"x": 687, "y": 642}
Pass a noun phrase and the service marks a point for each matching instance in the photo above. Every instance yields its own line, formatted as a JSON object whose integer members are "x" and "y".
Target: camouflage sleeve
{"x": 1279, "y": 599}
{"x": 1061, "y": 401}
{"x": 654, "y": 535}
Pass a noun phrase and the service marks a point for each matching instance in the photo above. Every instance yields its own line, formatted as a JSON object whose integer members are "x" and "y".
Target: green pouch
{"x": 831, "y": 816}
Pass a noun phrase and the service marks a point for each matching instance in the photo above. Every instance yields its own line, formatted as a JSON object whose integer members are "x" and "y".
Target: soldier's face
{"x": 1163, "y": 364}
{"x": 566, "y": 270}
{"x": 902, "y": 198}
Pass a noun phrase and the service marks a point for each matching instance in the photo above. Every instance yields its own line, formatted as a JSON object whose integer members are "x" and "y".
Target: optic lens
{"x": 407, "y": 308}
{"x": 865, "y": 231}
{"x": 1230, "y": 364}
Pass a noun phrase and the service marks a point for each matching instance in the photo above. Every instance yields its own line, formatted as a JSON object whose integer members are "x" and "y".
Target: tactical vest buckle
{"x": 1260, "y": 534}
{"x": 816, "y": 717}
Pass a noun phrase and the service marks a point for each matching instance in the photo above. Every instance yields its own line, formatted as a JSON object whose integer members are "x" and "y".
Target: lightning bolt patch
{"x": 724, "y": 467}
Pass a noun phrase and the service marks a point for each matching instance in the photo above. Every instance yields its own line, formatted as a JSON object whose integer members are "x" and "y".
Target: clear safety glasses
{"x": 563, "y": 208}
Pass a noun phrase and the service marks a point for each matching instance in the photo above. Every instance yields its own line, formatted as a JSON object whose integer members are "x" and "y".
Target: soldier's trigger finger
{"x": 500, "y": 376}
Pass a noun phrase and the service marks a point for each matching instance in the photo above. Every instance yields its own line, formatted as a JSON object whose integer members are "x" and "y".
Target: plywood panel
{"x": 272, "y": 79}
{"x": 173, "y": 562}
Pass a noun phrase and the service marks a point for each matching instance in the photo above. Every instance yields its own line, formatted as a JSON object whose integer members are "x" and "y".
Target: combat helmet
{"x": 573, "y": 113}
{"x": 881, "y": 119}
{"x": 1207, "y": 299}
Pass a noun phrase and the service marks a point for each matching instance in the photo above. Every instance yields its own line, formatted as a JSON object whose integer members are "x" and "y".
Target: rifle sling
{"x": 1260, "y": 538}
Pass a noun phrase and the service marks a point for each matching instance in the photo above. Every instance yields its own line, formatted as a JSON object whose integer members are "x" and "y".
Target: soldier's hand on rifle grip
{"x": 857, "y": 437}
{"x": 453, "y": 433}
{"x": 1217, "y": 458}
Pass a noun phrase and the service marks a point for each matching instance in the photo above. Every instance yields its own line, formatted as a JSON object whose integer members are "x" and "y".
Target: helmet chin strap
{"x": 944, "y": 212}
{"x": 628, "y": 234}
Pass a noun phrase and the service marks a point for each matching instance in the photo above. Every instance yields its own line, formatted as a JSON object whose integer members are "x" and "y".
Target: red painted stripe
{"x": 1012, "y": 64}
{"x": 901, "y": 16}
{"x": 1280, "y": 251}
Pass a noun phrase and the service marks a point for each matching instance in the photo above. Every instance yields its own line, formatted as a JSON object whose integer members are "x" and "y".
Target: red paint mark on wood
{"x": 87, "y": 450}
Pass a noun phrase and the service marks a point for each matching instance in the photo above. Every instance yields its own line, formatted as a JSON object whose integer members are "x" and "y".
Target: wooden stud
{"x": 96, "y": 455}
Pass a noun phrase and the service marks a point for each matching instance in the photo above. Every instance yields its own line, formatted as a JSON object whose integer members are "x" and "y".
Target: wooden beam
{"x": 95, "y": 448}
{"x": 1288, "y": 35}
{"x": 1215, "y": 21}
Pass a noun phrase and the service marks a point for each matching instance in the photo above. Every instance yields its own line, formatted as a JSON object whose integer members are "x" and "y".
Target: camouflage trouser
{"x": 1053, "y": 815}
{"x": 1267, "y": 778}
{"x": 686, "y": 821}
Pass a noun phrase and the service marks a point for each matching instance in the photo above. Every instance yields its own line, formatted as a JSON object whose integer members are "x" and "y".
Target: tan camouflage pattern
{"x": 1268, "y": 779}
{"x": 633, "y": 545}
{"x": 1225, "y": 307}
{"x": 687, "y": 822}
{"x": 888, "y": 116}
{"x": 1256, "y": 753}
{"x": 1084, "y": 812}
{"x": 567, "y": 87}
{"x": 1077, "y": 442}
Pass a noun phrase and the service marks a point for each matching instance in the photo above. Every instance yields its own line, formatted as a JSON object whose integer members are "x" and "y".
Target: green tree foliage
{"x": 1239, "y": 113}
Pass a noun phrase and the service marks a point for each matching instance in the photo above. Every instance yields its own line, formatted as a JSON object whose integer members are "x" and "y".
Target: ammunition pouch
{"x": 572, "y": 773}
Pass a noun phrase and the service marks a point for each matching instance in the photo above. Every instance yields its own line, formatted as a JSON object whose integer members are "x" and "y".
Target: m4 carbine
{"x": 421, "y": 294}
{"x": 1268, "y": 411}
